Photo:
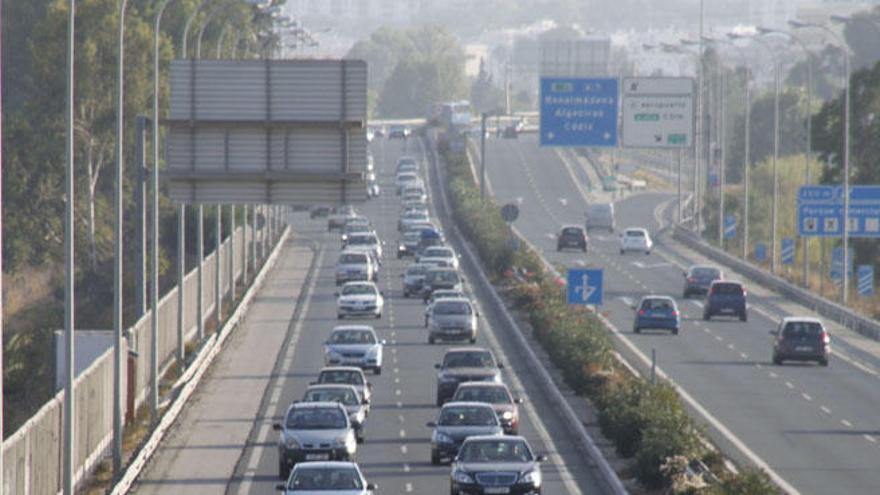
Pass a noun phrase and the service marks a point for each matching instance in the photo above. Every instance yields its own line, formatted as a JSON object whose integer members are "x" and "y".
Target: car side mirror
{"x": 500, "y": 365}
{"x": 436, "y": 366}
{"x": 336, "y": 294}
{"x": 277, "y": 427}
{"x": 365, "y": 402}
{"x": 541, "y": 458}
{"x": 370, "y": 386}
{"x": 372, "y": 486}
{"x": 518, "y": 400}
{"x": 477, "y": 314}
{"x": 382, "y": 293}
{"x": 774, "y": 332}
{"x": 383, "y": 342}
{"x": 281, "y": 487}
{"x": 431, "y": 424}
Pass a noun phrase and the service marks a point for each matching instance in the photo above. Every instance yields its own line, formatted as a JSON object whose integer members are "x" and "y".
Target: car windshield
{"x": 491, "y": 395}
{"x": 344, "y": 396}
{"x": 325, "y": 478}
{"x": 415, "y": 215}
{"x": 467, "y": 416}
{"x": 416, "y": 270}
{"x": 436, "y": 252}
{"x": 323, "y": 418}
{"x": 412, "y": 236}
{"x": 706, "y": 272}
{"x": 495, "y": 451}
{"x": 657, "y": 304}
{"x": 635, "y": 233}
{"x": 350, "y": 377}
{"x": 353, "y": 259}
{"x": 408, "y": 177}
{"x": 362, "y": 240}
{"x": 469, "y": 359}
{"x": 352, "y": 337}
{"x": 802, "y": 329}
{"x": 358, "y": 290}
{"x": 443, "y": 276}
{"x": 446, "y": 294}
{"x": 359, "y": 227}
{"x": 728, "y": 289}
{"x": 451, "y": 308}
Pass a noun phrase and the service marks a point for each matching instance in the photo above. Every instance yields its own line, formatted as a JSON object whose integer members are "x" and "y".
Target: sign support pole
{"x": 483, "y": 155}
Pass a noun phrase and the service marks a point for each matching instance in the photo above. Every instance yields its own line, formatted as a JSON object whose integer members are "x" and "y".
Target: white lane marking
{"x": 627, "y": 301}
{"x": 731, "y": 347}
{"x": 403, "y": 449}
{"x": 773, "y": 375}
{"x": 263, "y": 435}
{"x": 869, "y": 438}
{"x": 743, "y": 355}
{"x": 563, "y": 201}
{"x": 402, "y": 433}
{"x": 825, "y": 410}
{"x": 806, "y": 396}
{"x": 397, "y": 370}
{"x": 400, "y": 418}
{"x": 846, "y": 423}
{"x": 399, "y": 405}
{"x": 719, "y": 338}
{"x": 580, "y": 262}
{"x": 398, "y": 392}
{"x": 789, "y": 385}
{"x": 409, "y": 487}
{"x": 406, "y": 468}
{"x": 698, "y": 304}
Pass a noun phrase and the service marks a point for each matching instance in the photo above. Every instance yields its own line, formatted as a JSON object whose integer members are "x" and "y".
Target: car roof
{"x": 341, "y": 368}
{"x": 360, "y": 282}
{"x": 457, "y": 299}
{"x": 483, "y": 405}
{"x": 507, "y": 438}
{"x": 316, "y": 405}
{"x": 695, "y": 267}
{"x": 571, "y": 226}
{"x": 658, "y": 296}
{"x": 483, "y": 385}
{"x": 342, "y": 328}
{"x": 467, "y": 349}
{"x": 325, "y": 464}
{"x": 804, "y": 319}
{"x": 640, "y": 229}
{"x": 725, "y": 281}
{"x": 346, "y": 386}
{"x": 352, "y": 251}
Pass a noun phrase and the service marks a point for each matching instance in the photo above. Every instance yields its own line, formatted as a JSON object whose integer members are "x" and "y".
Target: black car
{"x": 465, "y": 364}
{"x": 319, "y": 212}
{"x": 572, "y": 236}
{"x": 510, "y": 132}
{"x": 801, "y": 339}
{"x": 490, "y": 464}
{"x": 456, "y": 422}
{"x": 440, "y": 278}
{"x": 725, "y": 298}
{"x": 698, "y": 278}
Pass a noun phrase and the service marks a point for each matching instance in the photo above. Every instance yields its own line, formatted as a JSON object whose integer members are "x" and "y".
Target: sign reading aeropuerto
{"x": 289, "y": 132}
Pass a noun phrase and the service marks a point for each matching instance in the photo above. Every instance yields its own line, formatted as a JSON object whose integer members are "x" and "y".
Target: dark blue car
{"x": 725, "y": 298}
{"x": 657, "y": 312}
{"x": 698, "y": 278}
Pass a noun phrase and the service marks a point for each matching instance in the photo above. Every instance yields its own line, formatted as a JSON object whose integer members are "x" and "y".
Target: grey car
{"x": 348, "y": 396}
{"x": 354, "y": 345}
{"x": 456, "y": 422}
{"x": 327, "y": 478}
{"x": 349, "y": 375}
{"x": 801, "y": 339}
{"x": 413, "y": 278}
{"x": 441, "y": 278}
{"x": 452, "y": 319}
{"x": 314, "y": 431}
{"x": 465, "y": 364}
{"x": 699, "y": 278}
{"x": 497, "y": 395}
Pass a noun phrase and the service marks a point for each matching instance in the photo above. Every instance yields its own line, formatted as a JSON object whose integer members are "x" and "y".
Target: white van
{"x": 600, "y": 216}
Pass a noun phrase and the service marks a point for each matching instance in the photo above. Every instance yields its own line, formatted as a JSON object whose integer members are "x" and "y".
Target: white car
{"x": 364, "y": 241}
{"x": 404, "y": 179}
{"x": 341, "y": 478}
{"x": 414, "y": 192}
{"x": 354, "y": 345}
{"x": 636, "y": 239}
{"x": 440, "y": 252}
{"x": 412, "y": 217}
{"x": 359, "y": 299}
{"x": 355, "y": 266}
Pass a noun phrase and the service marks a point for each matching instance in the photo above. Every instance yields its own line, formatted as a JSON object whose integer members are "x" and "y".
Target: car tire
{"x": 647, "y": 253}
{"x": 706, "y": 316}
{"x": 558, "y": 248}
{"x": 435, "y": 458}
{"x": 431, "y": 340}
{"x": 622, "y": 251}
{"x": 744, "y": 316}
{"x": 359, "y": 437}
{"x": 439, "y": 401}
{"x": 379, "y": 316}
{"x": 377, "y": 370}
{"x": 823, "y": 362}
{"x": 777, "y": 360}
{"x": 584, "y": 249}
{"x": 637, "y": 330}
{"x": 339, "y": 317}
{"x": 472, "y": 340}
{"x": 674, "y": 331}
{"x": 283, "y": 470}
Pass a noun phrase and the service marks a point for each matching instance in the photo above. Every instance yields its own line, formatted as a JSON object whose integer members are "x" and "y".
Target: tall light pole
{"x": 69, "y": 231}
{"x": 808, "y": 152}
{"x": 118, "y": 321}
{"x": 844, "y": 286}
{"x": 698, "y": 137}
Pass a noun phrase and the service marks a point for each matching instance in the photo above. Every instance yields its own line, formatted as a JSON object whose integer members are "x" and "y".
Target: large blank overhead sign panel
{"x": 267, "y": 131}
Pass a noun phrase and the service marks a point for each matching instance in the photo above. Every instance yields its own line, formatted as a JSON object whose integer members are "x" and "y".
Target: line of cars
{"x": 477, "y": 426}
{"x": 319, "y": 436}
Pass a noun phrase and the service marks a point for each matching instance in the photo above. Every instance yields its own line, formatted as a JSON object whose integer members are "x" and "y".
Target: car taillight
{"x": 641, "y": 312}
{"x": 825, "y": 338}
{"x": 691, "y": 279}
{"x": 674, "y": 313}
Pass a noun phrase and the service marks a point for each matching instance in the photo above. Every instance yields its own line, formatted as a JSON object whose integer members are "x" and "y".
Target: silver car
{"x": 348, "y": 375}
{"x": 327, "y": 478}
{"x": 314, "y": 431}
{"x": 354, "y": 266}
{"x": 348, "y": 396}
{"x": 440, "y": 252}
{"x": 452, "y": 319}
{"x": 354, "y": 345}
{"x": 456, "y": 422}
{"x": 367, "y": 241}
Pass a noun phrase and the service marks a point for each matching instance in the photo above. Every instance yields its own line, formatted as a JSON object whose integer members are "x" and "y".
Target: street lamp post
{"x": 67, "y": 454}
{"x": 844, "y": 286}
{"x": 698, "y": 137}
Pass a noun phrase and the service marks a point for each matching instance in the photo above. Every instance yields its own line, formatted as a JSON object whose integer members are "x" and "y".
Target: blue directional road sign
{"x": 787, "y": 253}
{"x": 837, "y": 263}
{"x": 578, "y": 112}
{"x": 760, "y": 252}
{"x": 584, "y": 286}
{"x": 820, "y": 211}
{"x": 730, "y": 227}
{"x": 866, "y": 280}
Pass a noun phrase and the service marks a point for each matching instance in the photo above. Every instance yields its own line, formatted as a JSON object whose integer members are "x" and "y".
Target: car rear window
{"x": 656, "y": 304}
{"x": 571, "y": 231}
{"x": 706, "y": 272}
{"x": 798, "y": 329}
{"x": 635, "y": 233}
{"x": 728, "y": 289}
{"x": 352, "y": 258}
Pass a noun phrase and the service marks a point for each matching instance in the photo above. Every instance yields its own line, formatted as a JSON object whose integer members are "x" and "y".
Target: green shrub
{"x": 748, "y": 482}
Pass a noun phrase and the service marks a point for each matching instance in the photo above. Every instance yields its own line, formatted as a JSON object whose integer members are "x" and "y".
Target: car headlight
{"x": 462, "y": 477}
{"x": 447, "y": 379}
{"x": 440, "y": 437}
{"x": 401, "y": 248}
{"x": 533, "y": 477}
{"x": 290, "y": 442}
{"x": 507, "y": 415}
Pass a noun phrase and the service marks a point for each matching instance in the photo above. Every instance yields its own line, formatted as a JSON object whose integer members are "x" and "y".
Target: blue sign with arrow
{"x": 760, "y": 252}
{"x": 584, "y": 286}
{"x": 787, "y": 251}
{"x": 837, "y": 263}
{"x": 578, "y": 112}
{"x": 866, "y": 280}
{"x": 730, "y": 227}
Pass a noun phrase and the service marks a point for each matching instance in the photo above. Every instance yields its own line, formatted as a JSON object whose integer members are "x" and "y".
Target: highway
{"x": 817, "y": 428}
{"x": 396, "y": 453}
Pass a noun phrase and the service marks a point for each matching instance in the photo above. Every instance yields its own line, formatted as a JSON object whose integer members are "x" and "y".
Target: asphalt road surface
{"x": 396, "y": 453}
{"x": 815, "y": 427}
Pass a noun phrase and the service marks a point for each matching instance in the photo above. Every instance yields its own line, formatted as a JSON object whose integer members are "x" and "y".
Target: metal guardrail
{"x": 829, "y": 309}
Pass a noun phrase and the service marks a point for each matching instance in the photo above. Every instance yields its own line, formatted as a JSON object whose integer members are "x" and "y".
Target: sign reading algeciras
{"x": 578, "y": 112}
{"x": 658, "y": 112}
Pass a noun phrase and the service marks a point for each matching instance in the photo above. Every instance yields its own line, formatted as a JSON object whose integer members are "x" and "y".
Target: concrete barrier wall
{"x": 33, "y": 454}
